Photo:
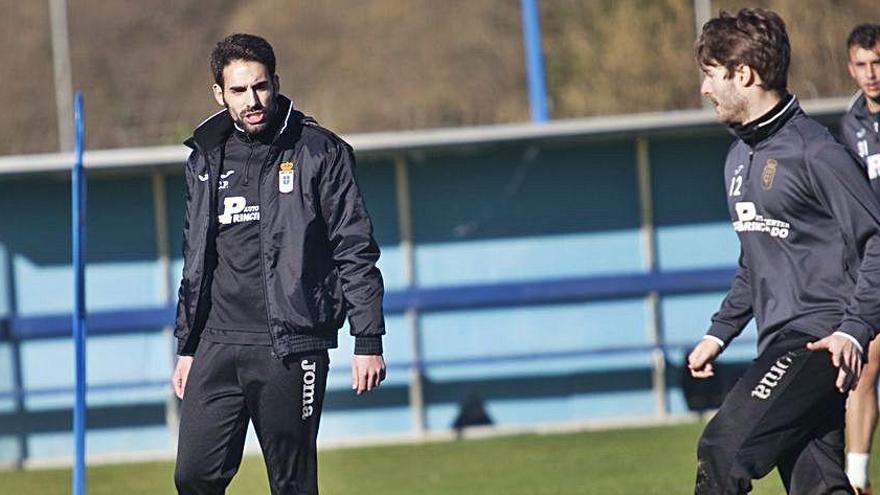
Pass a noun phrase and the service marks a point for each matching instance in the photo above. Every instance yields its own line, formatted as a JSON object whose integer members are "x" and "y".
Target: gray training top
{"x": 809, "y": 231}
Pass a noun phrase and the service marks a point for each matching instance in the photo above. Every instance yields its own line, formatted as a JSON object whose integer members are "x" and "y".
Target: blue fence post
{"x": 78, "y": 230}
{"x": 534, "y": 60}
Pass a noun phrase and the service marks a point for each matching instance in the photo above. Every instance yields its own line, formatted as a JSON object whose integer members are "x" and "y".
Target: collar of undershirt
{"x": 768, "y": 124}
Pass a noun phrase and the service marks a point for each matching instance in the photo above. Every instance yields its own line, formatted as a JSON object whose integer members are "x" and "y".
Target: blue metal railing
{"x": 508, "y": 294}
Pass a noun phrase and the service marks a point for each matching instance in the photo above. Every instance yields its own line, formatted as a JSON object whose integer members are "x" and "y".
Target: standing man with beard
{"x": 809, "y": 231}
{"x": 860, "y": 129}
{"x": 278, "y": 249}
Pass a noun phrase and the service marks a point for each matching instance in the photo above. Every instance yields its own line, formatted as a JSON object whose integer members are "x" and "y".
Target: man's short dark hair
{"x": 866, "y": 36}
{"x": 753, "y": 37}
{"x": 241, "y": 46}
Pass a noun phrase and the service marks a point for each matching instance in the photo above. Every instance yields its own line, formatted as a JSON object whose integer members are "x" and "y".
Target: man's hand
{"x": 367, "y": 372}
{"x": 700, "y": 359}
{"x": 845, "y": 356}
{"x": 181, "y": 372}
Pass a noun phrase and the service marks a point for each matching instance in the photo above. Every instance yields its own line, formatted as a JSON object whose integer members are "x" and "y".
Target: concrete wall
{"x": 494, "y": 212}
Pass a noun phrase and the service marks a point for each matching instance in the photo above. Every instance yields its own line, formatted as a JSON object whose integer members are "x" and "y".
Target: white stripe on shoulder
{"x": 209, "y": 118}
{"x": 289, "y": 111}
{"x": 779, "y": 114}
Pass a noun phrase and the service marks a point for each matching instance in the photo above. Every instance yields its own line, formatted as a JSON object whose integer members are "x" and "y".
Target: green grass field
{"x": 638, "y": 461}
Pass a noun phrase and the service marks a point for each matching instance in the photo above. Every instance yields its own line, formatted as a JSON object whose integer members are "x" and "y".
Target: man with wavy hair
{"x": 809, "y": 265}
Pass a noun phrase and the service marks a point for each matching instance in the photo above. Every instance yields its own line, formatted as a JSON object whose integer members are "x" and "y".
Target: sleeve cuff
{"x": 368, "y": 346}
{"x": 182, "y": 350}
{"x": 721, "y": 333}
{"x": 853, "y": 340}
{"x": 715, "y": 339}
{"x": 860, "y": 333}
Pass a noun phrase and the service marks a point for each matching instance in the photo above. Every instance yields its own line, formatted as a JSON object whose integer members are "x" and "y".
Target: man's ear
{"x": 218, "y": 95}
{"x": 747, "y": 76}
{"x": 276, "y": 83}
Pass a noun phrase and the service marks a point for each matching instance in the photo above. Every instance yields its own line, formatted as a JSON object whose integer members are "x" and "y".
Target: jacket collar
{"x": 214, "y": 130}
{"x": 768, "y": 124}
{"x": 858, "y": 106}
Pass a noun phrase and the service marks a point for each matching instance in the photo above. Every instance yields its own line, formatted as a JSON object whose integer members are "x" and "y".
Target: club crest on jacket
{"x": 285, "y": 177}
{"x": 769, "y": 174}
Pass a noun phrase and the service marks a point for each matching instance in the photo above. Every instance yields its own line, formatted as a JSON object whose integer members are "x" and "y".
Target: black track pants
{"x": 230, "y": 384}
{"x": 784, "y": 412}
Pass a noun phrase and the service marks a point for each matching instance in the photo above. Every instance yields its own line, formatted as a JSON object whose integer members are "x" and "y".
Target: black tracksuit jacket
{"x": 809, "y": 230}
{"x": 860, "y": 130}
{"x": 318, "y": 255}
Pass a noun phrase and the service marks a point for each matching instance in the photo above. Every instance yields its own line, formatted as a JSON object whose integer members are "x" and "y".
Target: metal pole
{"x": 649, "y": 243}
{"x": 163, "y": 249}
{"x": 15, "y": 348}
{"x": 534, "y": 60}
{"x": 78, "y": 228}
{"x": 702, "y": 14}
{"x": 20, "y": 410}
{"x": 404, "y": 221}
{"x": 163, "y": 255}
{"x": 61, "y": 69}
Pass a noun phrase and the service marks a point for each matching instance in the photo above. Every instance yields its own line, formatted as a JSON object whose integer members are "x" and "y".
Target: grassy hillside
{"x": 383, "y": 64}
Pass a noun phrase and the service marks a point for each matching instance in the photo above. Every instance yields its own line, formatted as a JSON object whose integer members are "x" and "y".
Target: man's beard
{"x": 254, "y": 129}
{"x": 734, "y": 109}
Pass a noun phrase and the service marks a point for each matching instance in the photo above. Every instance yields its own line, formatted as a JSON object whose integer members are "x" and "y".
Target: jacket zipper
{"x": 262, "y": 258}
{"x": 749, "y": 168}
{"x": 247, "y": 164}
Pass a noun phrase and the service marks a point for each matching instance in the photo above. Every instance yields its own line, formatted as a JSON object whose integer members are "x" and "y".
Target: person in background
{"x": 860, "y": 130}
